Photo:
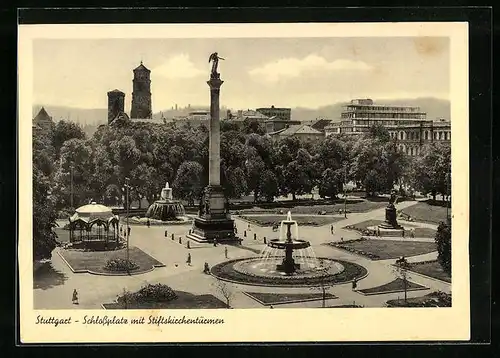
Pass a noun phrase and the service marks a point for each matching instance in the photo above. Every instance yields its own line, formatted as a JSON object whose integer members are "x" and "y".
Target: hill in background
{"x": 91, "y": 118}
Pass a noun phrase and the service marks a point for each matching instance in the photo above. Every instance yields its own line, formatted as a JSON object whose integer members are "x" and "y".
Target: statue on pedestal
{"x": 214, "y": 58}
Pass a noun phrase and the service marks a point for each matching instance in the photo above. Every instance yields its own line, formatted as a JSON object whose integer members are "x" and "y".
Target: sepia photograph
{"x": 273, "y": 170}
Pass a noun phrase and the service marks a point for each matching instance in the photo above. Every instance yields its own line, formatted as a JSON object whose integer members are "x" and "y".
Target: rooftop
{"x": 298, "y": 129}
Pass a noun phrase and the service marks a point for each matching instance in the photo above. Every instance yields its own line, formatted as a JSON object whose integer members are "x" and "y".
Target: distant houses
{"x": 42, "y": 123}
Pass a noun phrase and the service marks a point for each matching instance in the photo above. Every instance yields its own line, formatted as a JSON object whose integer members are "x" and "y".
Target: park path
{"x": 95, "y": 290}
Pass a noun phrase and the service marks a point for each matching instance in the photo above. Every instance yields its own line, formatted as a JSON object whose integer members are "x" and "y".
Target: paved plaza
{"x": 94, "y": 290}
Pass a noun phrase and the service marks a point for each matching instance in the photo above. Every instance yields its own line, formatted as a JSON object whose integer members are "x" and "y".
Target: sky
{"x": 257, "y": 72}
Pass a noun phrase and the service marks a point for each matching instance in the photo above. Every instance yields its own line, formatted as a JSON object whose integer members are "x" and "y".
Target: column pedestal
{"x": 213, "y": 220}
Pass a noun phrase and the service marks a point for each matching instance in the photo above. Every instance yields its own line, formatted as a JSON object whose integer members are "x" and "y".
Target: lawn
{"x": 394, "y": 286}
{"x": 433, "y": 299}
{"x": 270, "y": 220}
{"x": 354, "y": 206}
{"x": 94, "y": 261}
{"x": 431, "y": 269}
{"x": 423, "y": 232}
{"x": 387, "y": 249}
{"x": 267, "y": 299}
{"x": 425, "y": 212}
{"x": 184, "y": 300}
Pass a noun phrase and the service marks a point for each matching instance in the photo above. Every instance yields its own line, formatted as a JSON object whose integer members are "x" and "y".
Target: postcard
{"x": 243, "y": 182}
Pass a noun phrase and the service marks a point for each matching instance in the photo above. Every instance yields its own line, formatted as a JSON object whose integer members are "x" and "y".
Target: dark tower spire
{"x": 141, "y": 93}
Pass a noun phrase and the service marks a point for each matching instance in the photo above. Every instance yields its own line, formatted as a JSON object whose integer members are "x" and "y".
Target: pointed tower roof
{"x": 42, "y": 115}
{"x": 141, "y": 67}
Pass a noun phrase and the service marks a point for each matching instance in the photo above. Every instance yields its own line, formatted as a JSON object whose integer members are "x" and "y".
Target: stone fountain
{"x": 166, "y": 209}
{"x": 288, "y": 261}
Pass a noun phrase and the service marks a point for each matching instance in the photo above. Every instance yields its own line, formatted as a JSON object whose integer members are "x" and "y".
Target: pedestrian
{"x": 271, "y": 307}
{"x": 128, "y": 231}
{"x": 206, "y": 268}
{"x": 331, "y": 229}
{"x": 354, "y": 284}
{"x": 225, "y": 251}
{"x": 75, "y": 297}
{"x": 342, "y": 239}
{"x": 215, "y": 242}
{"x": 188, "y": 261}
{"x": 149, "y": 224}
{"x": 249, "y": 228}
{"x": 255, "y": 236}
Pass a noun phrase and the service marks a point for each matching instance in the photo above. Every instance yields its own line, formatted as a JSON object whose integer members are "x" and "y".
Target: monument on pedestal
{"x": 390, "y": 225}
{"x": 213, "y": 220}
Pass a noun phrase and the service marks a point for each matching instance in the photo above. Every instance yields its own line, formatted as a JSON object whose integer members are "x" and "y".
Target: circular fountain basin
{"x": 316, "y": 271}
{"x": 165, "y": 210}
{"x": 282, "y": 244}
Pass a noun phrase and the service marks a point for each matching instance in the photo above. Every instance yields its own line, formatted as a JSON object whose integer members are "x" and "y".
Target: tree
{"x": 254, "y": 167}
{"x": 377, "y": 163}
{"x": 269, "y": 185}
{"x": 331, "y": 183}
{"x": 443, "y": 242}
{"x": 431, "y": 170}
{"x": 64, "y": 131}
{"x": 75, "y": 170}
{"x": 253, "y": 126}
{"x": 225, "y": 291}
{"x": 44, "y": 217}
{"x": 402, "y": 267}
{"x": 188, "y": 181}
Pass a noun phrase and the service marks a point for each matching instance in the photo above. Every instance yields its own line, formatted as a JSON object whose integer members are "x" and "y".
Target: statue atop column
{"x": 214, "y": 58}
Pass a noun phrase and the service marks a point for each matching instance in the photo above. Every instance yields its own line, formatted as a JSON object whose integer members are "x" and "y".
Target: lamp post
{"x": 345, "y": 189}
{"x": 71, "y": 185}
{"x": 448, "y": 177}
{"x": 127, "y": 180}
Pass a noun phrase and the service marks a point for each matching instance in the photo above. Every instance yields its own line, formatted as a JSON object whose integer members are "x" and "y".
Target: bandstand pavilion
{"x": 93, "y": 222}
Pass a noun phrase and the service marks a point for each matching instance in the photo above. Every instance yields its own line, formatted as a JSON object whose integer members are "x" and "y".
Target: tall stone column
{"x": 214, "y": 220}
{"x": 214, "y": 139}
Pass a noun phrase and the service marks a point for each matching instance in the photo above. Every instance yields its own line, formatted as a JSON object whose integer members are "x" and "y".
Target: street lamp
{"x": 345, "y": 189}
{"x": 448, "y": 178}
{"x": 71, "y": 190}
{"x": 127, "y": 180}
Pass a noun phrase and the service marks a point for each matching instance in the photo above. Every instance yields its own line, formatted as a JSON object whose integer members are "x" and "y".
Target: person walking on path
{"x": 188, "y": 261}
{"x": 354, "y": 284}
{"x": 75, "y": 297}
{"x": 331, "y": 229}
{"x": 149, "y": 224}
{"x": 215, "y": 241}
{"x": 128, "y": 231}
{"x": 225, "y": 251}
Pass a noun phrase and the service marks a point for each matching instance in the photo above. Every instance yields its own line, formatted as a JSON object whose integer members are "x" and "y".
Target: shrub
{"x": 120, "y": 265}
{"x": 149, "y": 293}
{"x": 443, "y": 242}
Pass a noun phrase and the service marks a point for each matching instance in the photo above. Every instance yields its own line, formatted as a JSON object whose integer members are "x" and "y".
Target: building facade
{"x": 411, "y": 138}
{"x": 141, "y": 94}
{"x": 360, "y": 114}
{"x": 303, "y": 132}
{"x": 116, "y": 104}
{"x": 284, "y": 114}
{"x": 42, "y": 123}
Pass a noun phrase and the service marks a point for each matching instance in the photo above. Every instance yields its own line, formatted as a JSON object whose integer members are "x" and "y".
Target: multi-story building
{"x": 284, "y": 114}
{"x": 361, "y": 114}
{"x": 411, "y": 138}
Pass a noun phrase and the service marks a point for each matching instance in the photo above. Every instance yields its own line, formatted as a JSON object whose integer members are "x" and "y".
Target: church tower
{"x": 116, "y": 104}
{"x": 141, "y": 94}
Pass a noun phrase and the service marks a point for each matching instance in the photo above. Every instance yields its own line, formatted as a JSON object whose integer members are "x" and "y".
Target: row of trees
{"x": 66, "y": 162}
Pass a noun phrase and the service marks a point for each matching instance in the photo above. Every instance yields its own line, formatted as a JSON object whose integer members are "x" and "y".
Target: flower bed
{"x": 270, "y": 220}
{"x": 149, "y": 293}
{"x": 120, "y": 265}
